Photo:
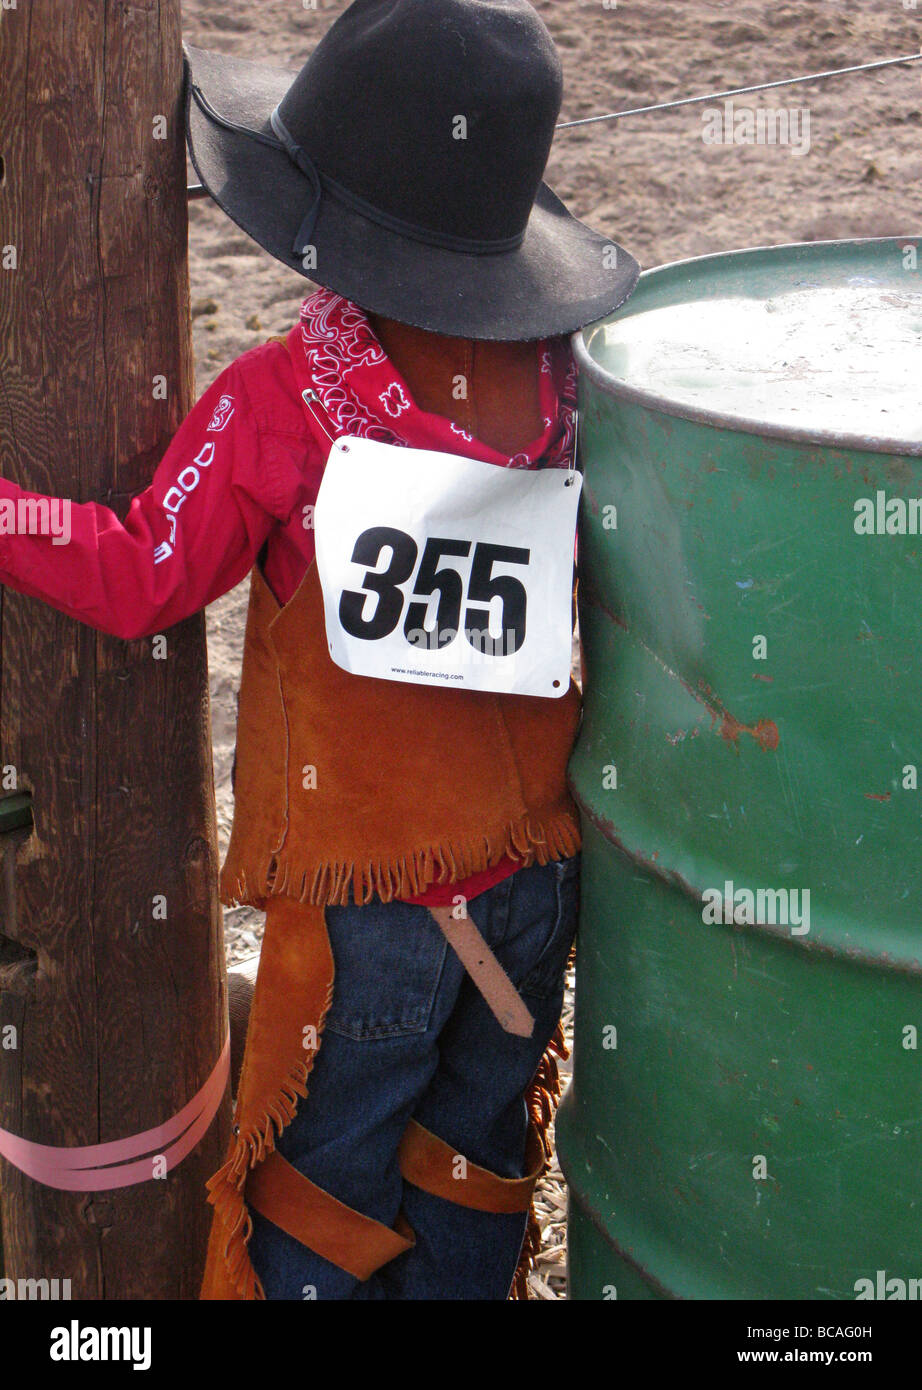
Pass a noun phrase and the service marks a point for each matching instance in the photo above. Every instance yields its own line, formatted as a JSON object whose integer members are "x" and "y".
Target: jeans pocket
{"x": 545, "y": 978}
{"x": 388, "y": 960}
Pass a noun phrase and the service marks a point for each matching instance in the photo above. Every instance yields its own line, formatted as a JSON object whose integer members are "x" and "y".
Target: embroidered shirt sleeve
{"x": 189, "y": 537}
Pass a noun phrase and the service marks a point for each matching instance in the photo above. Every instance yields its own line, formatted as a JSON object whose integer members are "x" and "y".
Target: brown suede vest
{"x": 345, "y": 780}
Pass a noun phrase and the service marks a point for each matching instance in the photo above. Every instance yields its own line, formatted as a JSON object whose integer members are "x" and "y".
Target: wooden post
{"x": 117, "y": 1012}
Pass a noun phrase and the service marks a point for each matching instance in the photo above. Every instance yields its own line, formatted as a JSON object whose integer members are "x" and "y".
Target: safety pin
{"x": 571, "y": 471}
{"x": 313, "y": 401}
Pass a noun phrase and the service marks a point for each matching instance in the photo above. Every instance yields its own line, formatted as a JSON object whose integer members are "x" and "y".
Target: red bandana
{"x": 363, "y": 393}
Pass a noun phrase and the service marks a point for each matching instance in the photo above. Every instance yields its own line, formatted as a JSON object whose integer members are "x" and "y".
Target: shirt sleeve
{"x": 190, "y": 536}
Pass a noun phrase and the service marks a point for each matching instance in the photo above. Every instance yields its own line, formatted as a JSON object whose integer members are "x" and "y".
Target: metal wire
{"x": 741, "y": 91}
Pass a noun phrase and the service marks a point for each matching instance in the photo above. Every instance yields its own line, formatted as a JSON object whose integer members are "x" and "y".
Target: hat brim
{"x": 562, "y": 277}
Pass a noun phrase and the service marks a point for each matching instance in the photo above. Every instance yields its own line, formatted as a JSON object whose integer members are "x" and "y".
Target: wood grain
{"x": 121, "y": 1017}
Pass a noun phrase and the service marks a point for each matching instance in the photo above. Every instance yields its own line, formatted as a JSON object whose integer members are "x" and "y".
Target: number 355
{"x": 483, "y": 586}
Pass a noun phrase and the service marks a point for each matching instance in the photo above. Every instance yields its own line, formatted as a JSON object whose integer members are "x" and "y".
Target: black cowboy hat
{"x": 402, "y": 167}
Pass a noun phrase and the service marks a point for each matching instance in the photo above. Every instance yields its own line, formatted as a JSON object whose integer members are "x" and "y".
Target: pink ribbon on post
{"x": 88, "y": 1169}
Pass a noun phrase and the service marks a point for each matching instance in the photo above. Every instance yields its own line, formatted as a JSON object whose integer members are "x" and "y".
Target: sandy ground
{"x": 649, "y": 181}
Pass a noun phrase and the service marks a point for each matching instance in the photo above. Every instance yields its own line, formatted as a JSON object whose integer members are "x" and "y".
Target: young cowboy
{"x": 390, "y": 1109}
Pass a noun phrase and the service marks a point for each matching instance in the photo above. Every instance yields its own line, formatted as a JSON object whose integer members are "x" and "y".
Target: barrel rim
{"x": 741, "y": 424}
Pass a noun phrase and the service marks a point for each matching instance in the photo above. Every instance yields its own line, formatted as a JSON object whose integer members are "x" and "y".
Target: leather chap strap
{"x": 434, "y": 1166}
{"x": 353, "y": 1242}
{"x": 502, "y": 998}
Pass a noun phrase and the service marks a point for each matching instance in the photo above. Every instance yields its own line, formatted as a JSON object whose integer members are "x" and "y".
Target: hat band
{"x": 322, "y": 183}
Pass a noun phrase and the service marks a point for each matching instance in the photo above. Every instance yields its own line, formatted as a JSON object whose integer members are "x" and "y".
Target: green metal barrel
{"x": 745, "y": 1115}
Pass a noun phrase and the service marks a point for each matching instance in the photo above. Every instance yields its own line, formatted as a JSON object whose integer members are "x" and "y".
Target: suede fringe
{"x": 226, "y": 1186}
{"x": 542, "y": 1098}
{"x": 329, "y": 884}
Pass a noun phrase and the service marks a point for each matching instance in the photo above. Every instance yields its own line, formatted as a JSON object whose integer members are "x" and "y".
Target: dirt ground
{"x": 650, "y": 181}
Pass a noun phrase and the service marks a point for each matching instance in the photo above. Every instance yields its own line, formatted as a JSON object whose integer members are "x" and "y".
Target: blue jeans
{"x": 409, "y": 1035}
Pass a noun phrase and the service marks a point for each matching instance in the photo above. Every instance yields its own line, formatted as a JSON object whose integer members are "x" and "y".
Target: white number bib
{"x": 441, "y": 570}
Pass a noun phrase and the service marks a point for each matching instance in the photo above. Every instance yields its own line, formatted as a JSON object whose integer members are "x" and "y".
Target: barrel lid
{"x": 815, "y": 342}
